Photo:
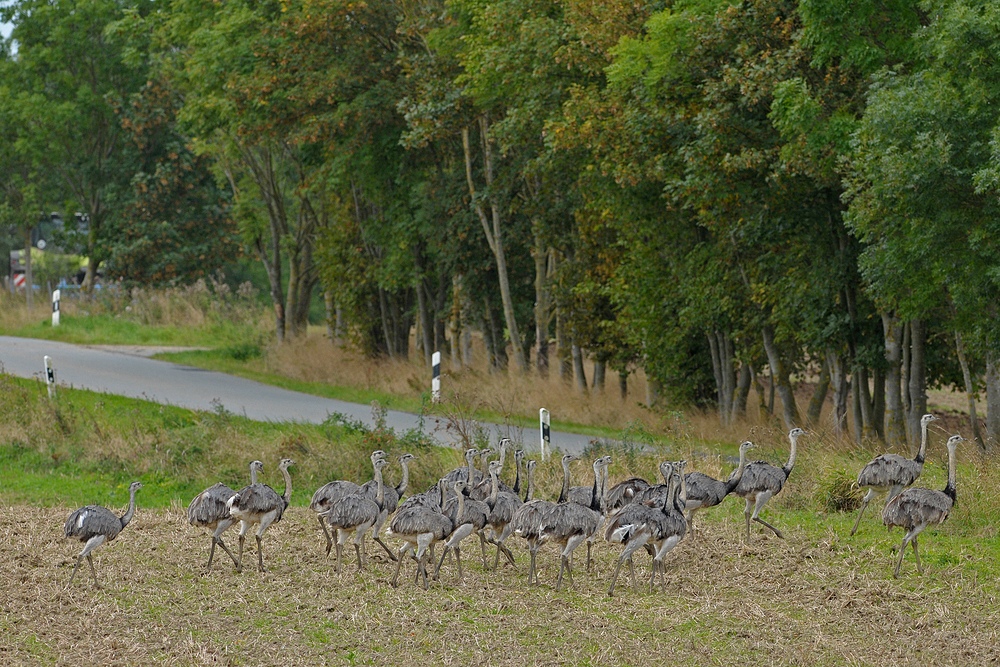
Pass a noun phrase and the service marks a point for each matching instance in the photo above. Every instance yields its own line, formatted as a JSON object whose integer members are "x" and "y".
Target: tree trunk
{"x": 494, "y": 236}
{"x": 623, "y": 384}
{"x": 456, "y": 324}
{"x": 652, "y": 391}
{"x": 426, "y": 338}
{"x": 992, "y": 399}
{"x": 970, "y": 392}
{"x": 739, "y": 410}
{"x": 857, "y": 418}
{"x": 578, "y": 370}
{"x": 600, "y": 369}
{"x": 840, "y": 386}
{"x": 917, "y": 377}
{"x": 387, "y": 336}
{"x": 818, "y": 399}
{"x": 878, "y": 403}
{"x": 563, "y": 352}
{"x": 543, "y": 301}
{"x": 721, "y": 347}
{"x": 868, "y": 430}
{"x": 895, "y": 427}
{"x": 779, "y": 376}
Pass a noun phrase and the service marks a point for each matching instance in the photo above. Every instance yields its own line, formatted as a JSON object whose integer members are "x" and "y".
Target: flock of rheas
{"x": 634, "y": 513}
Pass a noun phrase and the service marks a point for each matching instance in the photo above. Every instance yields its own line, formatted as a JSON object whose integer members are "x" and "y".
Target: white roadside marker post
{"x": 55, "y": 308}
{"x": 50, "y": 377}
{"x": 436, "y": 377}
{"x": 546, "y": 434}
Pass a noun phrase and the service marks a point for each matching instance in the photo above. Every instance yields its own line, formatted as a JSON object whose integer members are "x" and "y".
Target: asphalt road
{"x": 127, "y": 371}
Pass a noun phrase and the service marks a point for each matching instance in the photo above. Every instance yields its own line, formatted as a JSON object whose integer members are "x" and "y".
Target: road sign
{"x": 19, "y": 280}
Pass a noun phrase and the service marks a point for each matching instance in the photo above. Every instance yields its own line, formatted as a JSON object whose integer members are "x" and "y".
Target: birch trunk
{"x": 895, "y": 427}
{"x": 494, "y": 235}
{"x": 779, "y": 376}
{"x": 970, "y": 392}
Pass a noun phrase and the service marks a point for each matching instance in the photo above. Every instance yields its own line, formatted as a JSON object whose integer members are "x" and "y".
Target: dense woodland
{"x": 720, "y": 194}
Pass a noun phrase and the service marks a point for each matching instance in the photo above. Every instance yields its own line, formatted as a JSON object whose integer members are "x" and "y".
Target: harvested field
{"x": 814, "y": 598}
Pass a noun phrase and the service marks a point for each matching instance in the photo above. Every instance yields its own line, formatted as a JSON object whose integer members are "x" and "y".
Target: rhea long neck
{"x": 287, "y": 495}
{"x": 130, "y": 512}
{"x": 253, "y": 475}
{"x": 735, "y": 479}
{"x": 495, "y": 491}
{"x": 564, "y": 493}
{"x": 380, "y": 487}
{"x": 403, "y": 483}
{"x": 517, "y": 475}
{"x": 787, "y": 469}
{"x": 921, "y": 453}
{"x": 949, "y": 490}
{"x": 530, "y": 494}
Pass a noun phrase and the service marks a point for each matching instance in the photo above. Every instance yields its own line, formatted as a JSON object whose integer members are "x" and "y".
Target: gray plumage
{"x": 891, "y": 472}
{"x": 623, "y": 493}
{"x": 356, "y": 514}
{"x": 327, "y": 495}
{"x": 390, "y": 501}
{"x": 467, "y": 516}
{"x": 656, "y": 527}
{"x": 466, "y": 473}
{"x": 704, "y": 491}
{"x": 260, "y": 505}
{"x": 210, "y": 510}
{"x": 94, "y": 525}
{"x": 527, "y": 521}
{"x": 502, "y": 505}
{"x": 914, "y": 509}
{"x": 761, "y": 481}
{"x": 419, "y": 526}
{"x": 584, "y": 495}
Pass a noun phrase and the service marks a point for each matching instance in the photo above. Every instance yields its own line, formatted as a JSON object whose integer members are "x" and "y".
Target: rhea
{"x": 357, "y": 513}
{"x": 704, "y": 491}
{"x": 892, "y": 472}
{"x": 260, "y": 505}
{"x": 94, "y": 525}
{"x": 914, "y": 509}
{"x": 326, "y": 495}
{"x": 762, "y": 481}
{"x": 208, "y": 510}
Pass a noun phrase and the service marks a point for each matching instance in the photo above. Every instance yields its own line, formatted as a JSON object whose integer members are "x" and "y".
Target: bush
{"x": 838, "y": 492}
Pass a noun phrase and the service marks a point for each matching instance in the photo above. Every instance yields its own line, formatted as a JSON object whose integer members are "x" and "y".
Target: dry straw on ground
{"x": 811, "y": 599}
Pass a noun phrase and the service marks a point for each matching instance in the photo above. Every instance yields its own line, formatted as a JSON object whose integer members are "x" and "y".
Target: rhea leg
{"x": 762, "y": 499}
{"x": 329, "y": 540}
{"x": 902, "y": 550}
{"x": 746, "y": 515}
{"x": 91, "y": 544}
{"x": 864, "y": 504}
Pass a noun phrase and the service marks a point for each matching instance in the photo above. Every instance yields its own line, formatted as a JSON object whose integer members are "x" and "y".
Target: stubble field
{"x": 813, "y": 598}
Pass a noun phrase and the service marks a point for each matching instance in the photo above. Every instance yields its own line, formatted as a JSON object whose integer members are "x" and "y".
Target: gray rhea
{"x": 570, "y": 525}
{"x": 329, "y": 493}
{"x": 762, "y": 481}
{"x": 420, "y": 526}
{"x": 623, "y": 493}
{"x": 482, "y": 490}
{"x": 260, "y": 505}
{"x": 94, "y": 525}
{"x": 467, "y": 516}
{"x": 704, "y": 491}
{"x": 636, "y": 524}
{"x": 916, "y": 508}
{"x": 356, "y": 514}
{"x": 209, "y": 510}
{"x": 891, "y": 472}
{"x": 503, "y": 505}
{"x": 390, "y": 501}
{"x": 527, "y": 521}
